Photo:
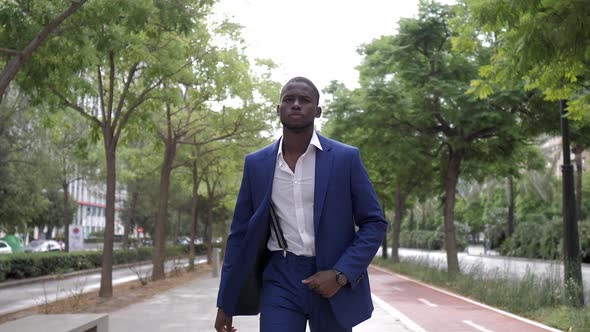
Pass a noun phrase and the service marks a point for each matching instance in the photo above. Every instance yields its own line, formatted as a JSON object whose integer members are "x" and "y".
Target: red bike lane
{"x": 430, "y": 309}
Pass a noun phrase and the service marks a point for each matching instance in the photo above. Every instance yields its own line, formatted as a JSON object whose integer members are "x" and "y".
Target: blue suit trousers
{"x": 287, "y": 304}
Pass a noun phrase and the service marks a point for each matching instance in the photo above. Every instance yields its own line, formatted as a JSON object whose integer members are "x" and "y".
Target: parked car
{"x": 42, "y": 246}
{"x": 183, "y": 240}
{"x": 5, "y": 248}
{"x": 147, "y": 242}
{"x": 15, "y": 243}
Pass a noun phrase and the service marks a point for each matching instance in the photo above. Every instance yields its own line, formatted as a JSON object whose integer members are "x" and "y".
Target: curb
{"x": 20, "y": 282}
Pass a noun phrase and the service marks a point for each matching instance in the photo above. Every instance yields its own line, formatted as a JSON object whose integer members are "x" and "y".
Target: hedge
{"x": 429, "y": 240}
{"x": 30, "y": 265}
{"x": 544, "y": 240}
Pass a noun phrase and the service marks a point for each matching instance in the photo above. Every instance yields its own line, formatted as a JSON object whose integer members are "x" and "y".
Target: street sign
{"x": 76, "y": 239}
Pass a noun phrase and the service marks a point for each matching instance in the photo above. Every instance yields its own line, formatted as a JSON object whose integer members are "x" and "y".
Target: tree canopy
{"x": 543, "y": 43}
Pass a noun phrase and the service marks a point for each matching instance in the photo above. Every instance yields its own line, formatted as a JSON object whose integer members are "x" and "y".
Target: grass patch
{"x": 538, "y": 298}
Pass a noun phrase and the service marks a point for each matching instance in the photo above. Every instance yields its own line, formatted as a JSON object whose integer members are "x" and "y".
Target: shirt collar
{"x": 315, "y": 141}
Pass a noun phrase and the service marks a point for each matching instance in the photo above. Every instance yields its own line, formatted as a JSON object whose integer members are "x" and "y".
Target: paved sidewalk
{"x": 192, "y": 308}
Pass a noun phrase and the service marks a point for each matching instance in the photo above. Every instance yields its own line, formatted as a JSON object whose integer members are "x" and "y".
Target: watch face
{"x": 341, "y": 279}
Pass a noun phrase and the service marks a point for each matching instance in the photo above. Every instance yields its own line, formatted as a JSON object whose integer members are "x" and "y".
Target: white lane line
{"x": 477, "y": 327}
{"x": 428, "y": 303}
{"x": 407, "y": 322}
{"x": 397, "y": 289}
{"x": 502, "y": 312}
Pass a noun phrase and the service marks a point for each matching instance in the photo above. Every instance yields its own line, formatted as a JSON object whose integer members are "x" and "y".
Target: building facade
{"x": 90, "y": 212}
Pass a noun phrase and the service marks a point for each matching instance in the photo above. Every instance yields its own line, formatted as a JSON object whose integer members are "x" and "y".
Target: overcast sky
{"x": 315, "y": 38}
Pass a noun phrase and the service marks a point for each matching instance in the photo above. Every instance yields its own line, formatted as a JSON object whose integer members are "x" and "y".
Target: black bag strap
{"x": 276, "y": 227}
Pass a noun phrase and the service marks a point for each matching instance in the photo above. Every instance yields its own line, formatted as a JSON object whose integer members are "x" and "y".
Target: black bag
{"x": 251, "y": 291}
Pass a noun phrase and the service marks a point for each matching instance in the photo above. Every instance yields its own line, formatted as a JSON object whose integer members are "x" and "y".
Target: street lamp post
{"x": 571, "y": 244}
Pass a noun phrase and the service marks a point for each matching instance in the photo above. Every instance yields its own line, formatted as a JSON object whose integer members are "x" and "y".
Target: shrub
{"x": 4, "y": 267}
{"x": 532, "y": 240}
{"x": 584, "y": 230}
{"x": 30, "y": 265}
{"x": 430, "y": 240}
{"x": 200, "y": 249}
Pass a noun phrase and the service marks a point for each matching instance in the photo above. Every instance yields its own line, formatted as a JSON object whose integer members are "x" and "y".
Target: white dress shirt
{"x": 292, "y": 197}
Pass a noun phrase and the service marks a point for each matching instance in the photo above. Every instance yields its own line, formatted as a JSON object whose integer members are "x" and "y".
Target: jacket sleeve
{"x": 368, "y": 216}
{"x": 242, "y": 213}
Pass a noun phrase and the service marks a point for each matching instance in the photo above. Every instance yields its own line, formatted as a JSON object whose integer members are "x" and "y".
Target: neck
{"x": 296, "y": 141}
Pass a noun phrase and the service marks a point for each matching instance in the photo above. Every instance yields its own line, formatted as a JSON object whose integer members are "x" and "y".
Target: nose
{"x": 296, "y": 103}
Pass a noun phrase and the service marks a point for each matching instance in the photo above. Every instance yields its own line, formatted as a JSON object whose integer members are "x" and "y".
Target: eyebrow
{"x": 297, "y": 95}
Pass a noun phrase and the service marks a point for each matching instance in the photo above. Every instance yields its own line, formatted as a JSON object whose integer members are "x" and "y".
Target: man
{"x": 301, "y": 201}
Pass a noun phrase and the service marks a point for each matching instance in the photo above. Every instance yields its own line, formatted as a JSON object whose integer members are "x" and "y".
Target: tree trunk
{"x": 579, "y": 173}
{"x": 423, "y": 221}
{"x": 106, "y": 277}
{"x": 208, "y": 226}
{"x": 66, "y": 214}
{"x": 48, "y": 234}
{"x": 178, "y": 222}
{"x": 194, "y": 214}
{"x": 511, "y": 205}
{"x": 574, "y": 287}
{"x": 209, "y": 220}
{"x": 397, "y": 222}
{"x": 449, "y": 210}
{"x": 130, "y": 218}
{"x": 411, "y": 221}
{"x": 160, "y": 236}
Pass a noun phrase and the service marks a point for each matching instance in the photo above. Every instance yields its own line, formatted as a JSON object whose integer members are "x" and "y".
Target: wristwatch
{"x": 341, "y": 278}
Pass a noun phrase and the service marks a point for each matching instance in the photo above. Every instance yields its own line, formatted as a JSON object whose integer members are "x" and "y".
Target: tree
{"x": 22, "y": 179}
{"x": 400, "y": 163}
{"x": 435, "y": 76}
{"x": 127, "y": 49}
{"x": 138, "y": 160}
{"x": 16, "y": 14}
{"x": 498, "y": 179}
{"x": 66, "y": 142}
{"x": 190, "y": 120}
{"x": 580, "y": 136}
{"x": 53, "y": 215}
{"x": 201, "y": 159}
{"x": 231, "y": 130}
{"x": 544, "y": 44}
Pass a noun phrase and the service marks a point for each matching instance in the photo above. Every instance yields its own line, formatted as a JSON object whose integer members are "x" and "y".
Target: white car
{"x": 42, "y": 246}
{"x": 5, "y": 248}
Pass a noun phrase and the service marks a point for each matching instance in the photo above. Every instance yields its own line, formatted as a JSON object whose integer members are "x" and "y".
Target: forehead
{"x": 298, "y": 89}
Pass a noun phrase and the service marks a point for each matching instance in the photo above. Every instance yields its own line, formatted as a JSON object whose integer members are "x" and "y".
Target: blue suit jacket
{"x": 343, "y": 198}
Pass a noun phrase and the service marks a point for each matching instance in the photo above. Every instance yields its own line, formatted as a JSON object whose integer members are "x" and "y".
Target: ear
{"x": 278, "y": 110}
{"x": 318, "y": 112}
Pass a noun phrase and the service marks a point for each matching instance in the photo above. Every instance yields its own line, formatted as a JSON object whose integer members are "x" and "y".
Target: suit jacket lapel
{"x": 268, "y": 169}
{"x": 323, "y": 166}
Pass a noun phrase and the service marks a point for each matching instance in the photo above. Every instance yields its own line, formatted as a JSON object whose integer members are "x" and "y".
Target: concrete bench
{"x": 59, "y": 323}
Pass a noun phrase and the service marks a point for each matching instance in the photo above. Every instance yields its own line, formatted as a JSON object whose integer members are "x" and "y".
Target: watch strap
{"x": 338, "y": 274}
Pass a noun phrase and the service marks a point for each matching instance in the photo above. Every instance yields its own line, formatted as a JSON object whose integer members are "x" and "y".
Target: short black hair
{"x": 305, "y": 80}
